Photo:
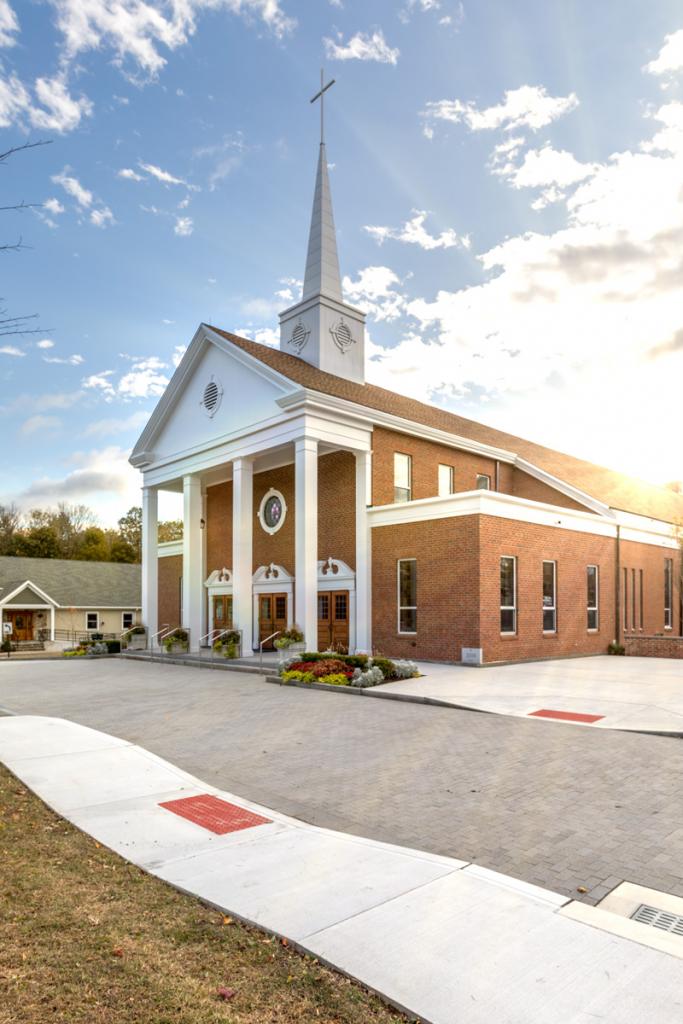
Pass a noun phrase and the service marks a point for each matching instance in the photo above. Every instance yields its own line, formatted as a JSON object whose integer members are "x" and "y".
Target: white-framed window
{"x": 668, "y": 593}
{"x": 592, "y": 597}
{"x": 91, "y": 620}
{"x": 483, "y": 482}
{"x": 403, "y": 473}
{"x": 549, "y": 597}
{"x": 127, "y": 619}
{"x": 508, "y": 594}
{"x": 446, "y": 480}
{"x": 272, "y": 511}
{"x": 407, "y": 595}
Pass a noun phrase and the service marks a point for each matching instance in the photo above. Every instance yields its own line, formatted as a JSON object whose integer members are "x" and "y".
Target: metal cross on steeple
{"x": 321, "y": 96}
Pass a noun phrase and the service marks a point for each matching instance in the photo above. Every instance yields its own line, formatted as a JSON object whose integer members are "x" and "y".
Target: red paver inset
{"x": 214, "y": 814}
{"x": 565, "y": 716}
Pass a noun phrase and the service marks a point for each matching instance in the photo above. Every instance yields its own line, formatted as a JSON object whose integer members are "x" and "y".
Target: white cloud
{"x": 11, "y": 350}
{"x": 143, "y": 380}
{"x": 670, "y": 58}
{"x": 62, "y": 112}
{"x": 570, "y": 327}
{"x": 164, "y": 176}
{"x": 164, "y": 321}
{"x": 73, "y": 360}
{"x": 184, "y": 226}
{"x": 529, "y": 106}
{"x": 9, "y": 24}
{"x": 14, "y": 101}
{"x": 45, "y": 343}
{"x": 102, "y": 218}
{"x": 263, "y": 335}
{"x": 101, "y": 382}
{"x": 35, "y": 423}
{"x": 73, "y": 187}
{"x": 137, "y": 30}
{"x": 129, "y": 174}
{"x": 414, "y": 232}
{"x": 102, "y": 428}
{"x": 448, "y": 13}
{"x": 178, "y": 353}
{"x": 362, "y": 46}
{"x": 103, "y": 479}
{"x": 375, "y": 292}
{"x": 53, "y": 206}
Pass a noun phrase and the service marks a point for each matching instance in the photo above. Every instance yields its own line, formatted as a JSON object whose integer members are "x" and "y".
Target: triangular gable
{"x": 247, "y": 391}
{"x": 27, "y": 593}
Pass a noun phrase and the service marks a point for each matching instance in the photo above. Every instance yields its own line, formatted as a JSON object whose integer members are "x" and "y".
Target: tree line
{"x": 72, "y": 531}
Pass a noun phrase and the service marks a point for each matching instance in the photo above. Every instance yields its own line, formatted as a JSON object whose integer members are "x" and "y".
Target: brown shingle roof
{"x": 606, "y": 485}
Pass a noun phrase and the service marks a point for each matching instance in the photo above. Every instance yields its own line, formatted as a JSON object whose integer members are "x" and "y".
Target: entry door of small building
{"x": 222, "y": 611}
{"x": 272, "y": 617}
{"x": 22, "y": 623}
{"x": 333, "y": 621}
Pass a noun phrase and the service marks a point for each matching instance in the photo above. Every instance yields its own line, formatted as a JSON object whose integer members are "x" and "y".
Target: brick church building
{"x": 377, "y": 522}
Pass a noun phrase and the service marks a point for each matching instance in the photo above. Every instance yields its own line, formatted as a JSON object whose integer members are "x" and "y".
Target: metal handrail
{"x": 271, "y": 637}
{"x": 153, "y": 638}
{"x": 219, "y": 633}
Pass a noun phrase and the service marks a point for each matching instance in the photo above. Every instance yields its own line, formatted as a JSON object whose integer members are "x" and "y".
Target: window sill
{"x": 549, "y": 632}
{"x": 593, "y": 630}
{"x": 406, "y": 634}
{"x": 508, "y": 636}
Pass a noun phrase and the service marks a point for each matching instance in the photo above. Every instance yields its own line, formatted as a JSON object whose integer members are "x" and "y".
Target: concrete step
{"x": 30, "y": 645}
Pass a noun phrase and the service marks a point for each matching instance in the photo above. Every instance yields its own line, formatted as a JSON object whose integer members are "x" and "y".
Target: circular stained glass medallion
{"x": 272, "y": 511}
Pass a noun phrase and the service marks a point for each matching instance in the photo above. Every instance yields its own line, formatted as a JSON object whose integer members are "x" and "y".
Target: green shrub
{"x": 355, "y": 660}
{"x": 113, "y": 646}
{"x": 386, "y": 667}
{"x": 615, "y": 648}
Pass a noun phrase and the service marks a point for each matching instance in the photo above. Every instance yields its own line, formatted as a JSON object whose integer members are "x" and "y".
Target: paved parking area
{"x": 546, "y": 802}
{"x": 641, "y": 694}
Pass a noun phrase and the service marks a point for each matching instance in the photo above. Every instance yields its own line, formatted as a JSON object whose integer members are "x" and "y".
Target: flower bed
{"x": 359, "y": 670}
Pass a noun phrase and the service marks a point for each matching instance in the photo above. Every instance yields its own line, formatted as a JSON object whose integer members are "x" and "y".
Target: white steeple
{"x": 322, "y": 328}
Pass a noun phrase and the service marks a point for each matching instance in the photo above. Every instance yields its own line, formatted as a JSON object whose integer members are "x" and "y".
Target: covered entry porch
{"x": 273, "y": 609}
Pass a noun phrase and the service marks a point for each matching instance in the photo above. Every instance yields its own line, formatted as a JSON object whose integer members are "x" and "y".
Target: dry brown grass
{"x": 86, "y": 938}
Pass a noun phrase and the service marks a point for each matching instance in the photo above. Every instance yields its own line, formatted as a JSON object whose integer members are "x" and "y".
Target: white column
{"x": 242, "y": 531}
{"x": 205, "y": 573}
{"x": 150, "y": 563}
{"x": 52, "y": 623}
{"x": 363, "y": 557}
{"x": 192, "y": 558}
{"x": 306, "y": 539}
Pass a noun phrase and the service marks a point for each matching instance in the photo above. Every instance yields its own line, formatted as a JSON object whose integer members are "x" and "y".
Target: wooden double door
{"x": 222, "y": 612}
{"x": 22, "y": 625}
{"x": 333, "y": 621}
{"x": 272, "y": 617}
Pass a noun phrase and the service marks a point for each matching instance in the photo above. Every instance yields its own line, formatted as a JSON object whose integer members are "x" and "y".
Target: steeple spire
{"x": 322, "y": 262}
{"x": 321, "y": 328}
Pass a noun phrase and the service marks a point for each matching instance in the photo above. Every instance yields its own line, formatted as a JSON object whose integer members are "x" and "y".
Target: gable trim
{"x": 143, "y": 451}
{"x": 36, "y": 590}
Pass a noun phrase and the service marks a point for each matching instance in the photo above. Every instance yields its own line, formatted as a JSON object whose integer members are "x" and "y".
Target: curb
{"x": 375, "y": 691}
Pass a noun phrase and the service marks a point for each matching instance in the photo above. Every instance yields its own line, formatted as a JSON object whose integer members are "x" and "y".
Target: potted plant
{"x": 137, "y": 638}
{"x": 176, "y": 642}
{"x": 228, "y": 645}
{"x": 289, "y": 641}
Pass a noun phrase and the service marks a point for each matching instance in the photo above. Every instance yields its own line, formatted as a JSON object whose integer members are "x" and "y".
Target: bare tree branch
{"x": 18, "y": 149}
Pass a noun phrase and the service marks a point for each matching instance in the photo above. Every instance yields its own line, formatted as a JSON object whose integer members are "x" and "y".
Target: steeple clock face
{"x": 272, "y": 511}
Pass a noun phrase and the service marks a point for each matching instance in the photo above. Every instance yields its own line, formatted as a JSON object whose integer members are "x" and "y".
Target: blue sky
{"x": 508, "y": 191}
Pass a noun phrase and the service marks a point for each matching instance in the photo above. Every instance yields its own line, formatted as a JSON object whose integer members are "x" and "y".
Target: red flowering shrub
{"x": 327, "y": 667}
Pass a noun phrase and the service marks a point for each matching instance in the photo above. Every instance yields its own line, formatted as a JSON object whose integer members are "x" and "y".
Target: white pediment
{"x": 218, "y": 390}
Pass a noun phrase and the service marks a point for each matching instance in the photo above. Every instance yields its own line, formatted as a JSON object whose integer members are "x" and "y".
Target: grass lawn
{"x": 87, "y": 937}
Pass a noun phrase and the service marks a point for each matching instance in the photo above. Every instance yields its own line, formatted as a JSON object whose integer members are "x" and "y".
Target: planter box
{"x": 137, "y": 642}
{"x": 179, "y": 648}
{"x": 286, "y": 652}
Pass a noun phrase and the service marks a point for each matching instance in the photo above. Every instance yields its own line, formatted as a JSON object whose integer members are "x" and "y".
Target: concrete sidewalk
{"x": 446, "y": 941}
{"x": 631, "y": 694}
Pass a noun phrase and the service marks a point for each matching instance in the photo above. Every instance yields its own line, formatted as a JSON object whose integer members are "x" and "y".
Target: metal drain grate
{"x": 661, "y": 919}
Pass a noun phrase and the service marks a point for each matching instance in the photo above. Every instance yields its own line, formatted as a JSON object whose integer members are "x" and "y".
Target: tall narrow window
{"x": 642, "y": 614}
{"x": 483, "y": 482}
{"x": 407, "y": 595}
{"x": 445, "y": 481}
{"x": 402, "y": 476}
{"x": 91, "y": 620}
{"x": 668, "y": 592}
{"x": 592, "y": 596}
{"x": 633, "y": 599}
{"x": 550, "y": 597}
{"x": 127, "y": 620}
{"x": 508, "y": 594}
{"x": 625, "y": 593}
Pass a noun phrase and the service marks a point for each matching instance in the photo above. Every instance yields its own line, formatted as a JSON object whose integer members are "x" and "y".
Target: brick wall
{"x": 447, "y": 553}
{"x": 170, "y": 573}
{"x": 426, "y": 457}
{"x": 531, "y": 544}
{"x": 654, "y": 646}
{"x": 649, "y": 614}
